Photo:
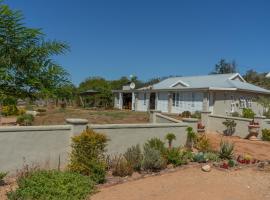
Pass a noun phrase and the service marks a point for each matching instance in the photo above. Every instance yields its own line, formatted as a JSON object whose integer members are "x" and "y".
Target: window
{"x": 249, "y": 102}
{"x": 144, "y": 99}
{"x": 242, "y": 102}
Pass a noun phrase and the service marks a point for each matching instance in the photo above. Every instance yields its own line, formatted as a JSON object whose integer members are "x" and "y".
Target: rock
{"x": 31, "y": 112}
{"x": 136, "y": 175}
{"x": 206, "y": 168}
{"x": 170, "y": 166}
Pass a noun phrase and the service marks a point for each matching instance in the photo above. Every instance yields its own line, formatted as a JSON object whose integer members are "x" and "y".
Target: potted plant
{"x": 253, "y": 129}
{"x": 200, "y": 127}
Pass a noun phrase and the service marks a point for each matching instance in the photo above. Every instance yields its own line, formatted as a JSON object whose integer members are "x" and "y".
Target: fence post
{"x": 78, "y": 125}
{"x": 152, "y": 116}
{"x": 261, "y": 120}
{"x": 205, "y": 119}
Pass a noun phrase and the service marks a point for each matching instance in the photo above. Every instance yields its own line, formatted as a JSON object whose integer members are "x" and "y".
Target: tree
{"x": 26, "y": 65}
{"x": 224, "y": 67}
{"x": 170, "y": 137}
{"x": 258, "y": 79}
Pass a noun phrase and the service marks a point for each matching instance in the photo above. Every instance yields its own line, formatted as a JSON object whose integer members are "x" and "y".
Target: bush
{"x": 87, "y": 155}
{"x": 210, "y": 156}
{"x": 152, "y": 159}
{"x": 199, "y": 157}
{"x": 186, "y": 114}
{"x": 248, "y": 113}
{"x": 120, "y": 167}
{"x": 226, "y": 150}
{"x": 230, "y": 127}
{"x": 134, "y": 157}
{"x": 173, "y": 156}
{"x": 25, "y": 120}
{"x": 196, "y": 114}
{"x": 191, "y": 137}
{"x": 266, "y": 134}
{"x": 157, "y": 144}
{"x": 54, "y": 185}
{"x": 9, "y": 110}
{"x": 2, "y": 176}
{"x": 203, "y": 143}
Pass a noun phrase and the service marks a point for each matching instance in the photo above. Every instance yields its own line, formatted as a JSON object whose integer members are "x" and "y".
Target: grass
{"x": 57, "y": 116}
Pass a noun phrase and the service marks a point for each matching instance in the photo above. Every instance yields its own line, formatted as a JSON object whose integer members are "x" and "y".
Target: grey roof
{"x": 216, "y": 81}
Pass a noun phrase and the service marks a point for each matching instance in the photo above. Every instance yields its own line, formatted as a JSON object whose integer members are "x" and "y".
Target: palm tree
{"x": 170, "y": 137}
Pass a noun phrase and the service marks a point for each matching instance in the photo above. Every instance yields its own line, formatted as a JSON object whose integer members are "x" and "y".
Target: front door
{"x": 152, "y": 101}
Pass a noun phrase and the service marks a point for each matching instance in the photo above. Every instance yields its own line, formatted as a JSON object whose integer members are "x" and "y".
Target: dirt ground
{"x": 192, "y": 183}
{"x": 58, "y": 116}
{"x": 257, "y": 149}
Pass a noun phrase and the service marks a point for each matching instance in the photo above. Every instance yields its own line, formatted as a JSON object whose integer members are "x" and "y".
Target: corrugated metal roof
{"x": 209, "y": 81}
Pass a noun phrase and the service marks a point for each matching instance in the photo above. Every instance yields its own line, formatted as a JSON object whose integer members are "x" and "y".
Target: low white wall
{"x": 123, "y": 136}
{"x": 215, "y": 123}
{"x": 42, "y": 145}
{"x": 266, "y": 124}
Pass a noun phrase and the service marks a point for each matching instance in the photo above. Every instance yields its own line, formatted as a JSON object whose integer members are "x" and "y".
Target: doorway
{"x": 152, "y": 101}
{"x": 127, "y": 101}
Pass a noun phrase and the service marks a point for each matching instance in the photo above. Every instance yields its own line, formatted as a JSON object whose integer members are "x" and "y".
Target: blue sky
{"x": 153, "y": 38}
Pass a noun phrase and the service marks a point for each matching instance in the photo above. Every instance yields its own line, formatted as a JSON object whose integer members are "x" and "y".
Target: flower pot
{"x": 253, "y": 132}
{"x": 201, "y": 130}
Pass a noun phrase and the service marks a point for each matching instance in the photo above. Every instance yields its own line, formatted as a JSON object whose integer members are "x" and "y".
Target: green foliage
{"x": 203, "y": 143}
{"x": 186, "y": 114}
{"x": 191, "y": 137}
{"x": 230, "y": 126}
{"x": 10, "y": 110}
{"x": 232, "y": 163}
{"x": 196, "y": 114}
{"x": 199, "y": 157}
{"x": 224, "y": 67}
{"x": 211, "y": 156}
{"x": 170, "y": 137}
{"x": 25, "y": 120}
{"x": 266, "y": 134}
{"x": 2, "y": 176}
{"x": 27, "y": 67}
{"x": 134, "y": 157}
{"x": 173, "y": 156}
{"x": 54, "y": 185}
{"x": 156, "y": 144}
{"x": 258, "y": 79}
{"x": 121, "y": 167}
{"x": 152, "y": 159}
{"x": 226, "y": 150}
{"x": 87, "y": 155}
{"x": 248, "y": 113}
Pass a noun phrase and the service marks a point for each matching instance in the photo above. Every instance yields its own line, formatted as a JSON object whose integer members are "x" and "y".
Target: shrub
{"x": 152, "y": 159}
{"x": 2, "y": 176}
{"x": 266, "y": 134}
{"x": 9, "y": 110}
{"x": 230, "y": 127}
{"x": 134, "y": 157}
{"x": 226, "y": 150}
{"x": 170, "y": 137}
{"x": 21, "y": 111}
{"x": 173, "y": 156}
{"x": 211, "y": 156}
{"x": 191, "y": 137}
{"x": 186, "y": 114}
{"x": 54, "y": 185}
{"x": 203, "y": 143}
{"x": 196, "y": 114}
{"x": 199, "y": 157}
{"x": 157, "y": 144}
{"x": 87, "y": 155}
{"x": 120, "y": 167}
{"x": 248, "y": 113}
{"x": 25, "y": 120}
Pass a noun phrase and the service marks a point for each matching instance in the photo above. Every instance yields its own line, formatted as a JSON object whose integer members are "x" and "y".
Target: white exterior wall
{"x": 188, "y": 103}
{"x": 162, "y": 102}
{"x": 142, "y": 105}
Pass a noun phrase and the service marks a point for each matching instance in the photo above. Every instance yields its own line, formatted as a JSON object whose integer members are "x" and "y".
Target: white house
{"x": 218, "y": 94}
